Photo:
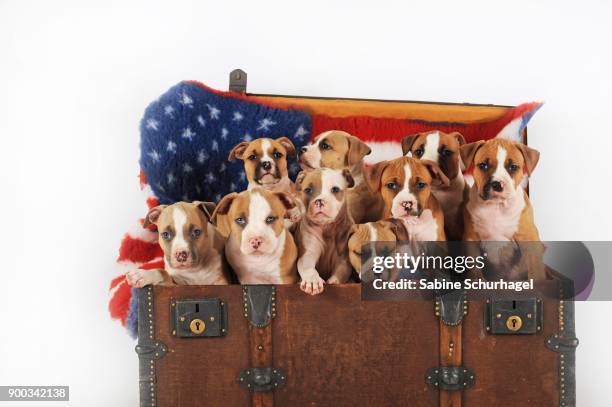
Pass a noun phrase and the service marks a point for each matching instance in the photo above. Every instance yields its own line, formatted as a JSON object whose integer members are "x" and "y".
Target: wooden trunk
{"x": 265, "y": 345}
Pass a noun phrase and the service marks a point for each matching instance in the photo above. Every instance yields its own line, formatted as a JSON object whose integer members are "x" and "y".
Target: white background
{"x": 75, "y": 78}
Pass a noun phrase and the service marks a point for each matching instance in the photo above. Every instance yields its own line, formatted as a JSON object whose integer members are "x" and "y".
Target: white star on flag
{"x": 152, "y": 124}
{"x": 210, "y": 178}
{"x": 202, "y": 156}
{"x": 169, "y": 111}
{"x": 171, "y": 147}
{"x": 154, "y": 156}
{"x": 188, "y": 134}
{"x": 171, "y": 178}
{"x": 265, "y": 123}
{"x": 300, "y": 132}
{"x": 187, "y": 168}
{"x": 214, "y": 146}
{"x": 237, "y": 117}
{"x": 201, "y": 121}
{"x": 186, "y": 100}
{"x": 247, "y": 137}
{"x": 222, "y": 167}
{"x": 213, "y": 111}
{"x": 224, "y": 133}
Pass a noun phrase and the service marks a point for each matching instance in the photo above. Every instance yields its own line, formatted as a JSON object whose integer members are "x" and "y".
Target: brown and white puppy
{"x": 337, "y": 150}
{"x": 444, "y": 149}
{"x": 498, "y": 209}
{"x": 259, "y": 248}
{"x": 193, "y": 248}
{"x": 322, "y": 233}
{"x": 265, "y": 163}
{"x": 405, "y": 187}
{"x": 265, "y": 166}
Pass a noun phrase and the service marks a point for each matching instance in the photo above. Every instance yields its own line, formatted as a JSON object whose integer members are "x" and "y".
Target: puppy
{"x": 371, "y": 239}
{"x": 405, "y": 187}
{"x": 443, "y": 149}
{"x": 498, "y": 209}
{"x": 322, "y": 233}
{"x": 259, "y": 248}
{"x": 265, "y": 163}
{"x": 265, "y": 166}
{"x": 191, "y": 244}
{"x": 337, "y": 150}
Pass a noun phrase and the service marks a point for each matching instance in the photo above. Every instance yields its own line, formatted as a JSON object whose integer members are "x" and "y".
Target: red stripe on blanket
{"x": 138, "y": 251}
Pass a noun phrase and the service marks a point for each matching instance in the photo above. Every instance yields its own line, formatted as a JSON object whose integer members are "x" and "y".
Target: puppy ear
{"x": 153, "y": 215}
{"x": 373, "y": 173}
{"x": 238, "y": 151}
{"x": 224, "y": 205}
{"x": 468, "y": 151}
{"x": 207, "y": 207}
{"x": 435, "y": 171}
{"x": 286, "y": 200}
{"x": 459, "y": 137}
{"x": 285, "y": 142}
{"x": 350, "y": 182}
{"x": 357, "y": 150}
{"x": 408, "y": 141}
{"x": 299, "y": 179}
{"x": 531, "y": 156}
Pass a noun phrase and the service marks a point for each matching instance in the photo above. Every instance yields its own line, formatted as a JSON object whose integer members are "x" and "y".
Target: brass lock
{"x": 514, "y": 323}
{"x": 197, "y": 326}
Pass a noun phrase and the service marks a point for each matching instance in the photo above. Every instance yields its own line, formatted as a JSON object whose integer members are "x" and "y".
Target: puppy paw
{"x": 140, "y": 278}
{"x": 295, "y": 215}
{"x": 334, "y": 280}
{"x": 312, "y": 284}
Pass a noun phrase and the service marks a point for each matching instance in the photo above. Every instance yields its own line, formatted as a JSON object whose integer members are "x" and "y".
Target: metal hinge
{"x": 560, "y": 343}
{"x": 238, "y": 81}
{"x": 451, "y": 306}
{"x": 450, "y": 378}
{"x": 262, "y": 378}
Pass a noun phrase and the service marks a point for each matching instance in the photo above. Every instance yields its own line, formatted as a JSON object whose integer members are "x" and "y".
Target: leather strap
{"x": 260, "y": 354}
{"x": 450, "y": 355}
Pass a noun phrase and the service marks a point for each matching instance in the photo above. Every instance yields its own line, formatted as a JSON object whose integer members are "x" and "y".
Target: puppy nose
{"x": 407, "y": 205}
{"x": 319, "y": 203}
{"x": 255, "y": 242}
{"x": 266, "y": 165}
{"x": 303, "y": 150}
{"x": 497, "y": 186}
{"x": 181, "y": 256}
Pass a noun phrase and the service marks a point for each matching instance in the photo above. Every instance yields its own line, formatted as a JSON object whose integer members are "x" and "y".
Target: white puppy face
{"x": 323, "y": 192}
{"x": 256, "y": 219}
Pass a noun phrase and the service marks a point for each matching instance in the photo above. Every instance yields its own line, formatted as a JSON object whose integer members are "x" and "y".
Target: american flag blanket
{"x": 186, "y": 136}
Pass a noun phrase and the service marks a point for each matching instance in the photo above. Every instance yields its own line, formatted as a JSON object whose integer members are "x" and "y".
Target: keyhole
{"x": 198, "y": 325}
{"x": 513, "y": 323}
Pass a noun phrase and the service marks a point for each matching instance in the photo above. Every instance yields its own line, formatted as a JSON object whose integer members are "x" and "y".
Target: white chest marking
{"x": 422, "y": 229}
{"x": 496, "y": 221}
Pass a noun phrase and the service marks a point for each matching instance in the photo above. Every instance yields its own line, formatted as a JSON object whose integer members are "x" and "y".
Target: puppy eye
{"x": 308, "y": 190}
{"x": 196, "y": 232}
{"x": 392, "y": 186}
{"x": 446, "y": 152}
{"x": 277, "y": 155}
{"x": 420, "y": 185}
{"x": 335, "y": 190}
{"x": 483, "y": 166}
{"x": 241, "y": 221}
{"x": 513, "y": 168}
{"x": 166, "y": 235}
{"x": 325, "y": 146}
{"x": 419, "y": 152}
{"x": 252, "y": 157}
{"x": 271, "y": 219}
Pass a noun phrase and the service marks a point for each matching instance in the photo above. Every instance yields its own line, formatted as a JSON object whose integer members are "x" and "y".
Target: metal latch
{"x": 262, "y": 378}
{"x": 450, "y": 378}
{"x": 198, "y": 318}
{"x": 513, "y": 316}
